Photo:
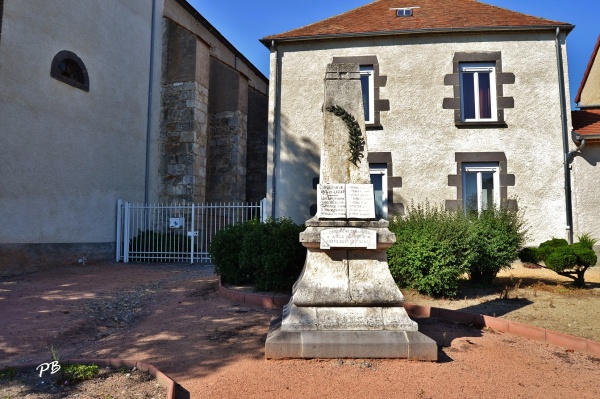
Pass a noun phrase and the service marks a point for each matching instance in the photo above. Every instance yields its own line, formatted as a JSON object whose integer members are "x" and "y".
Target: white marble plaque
{"x": 360, "y": 202}
{"x": 331, "y": 201}
{"x": 348, "y": 237}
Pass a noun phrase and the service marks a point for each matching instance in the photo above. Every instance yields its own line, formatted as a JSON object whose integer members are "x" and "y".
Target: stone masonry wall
{"x": 256, "y": 166}
{"x": 227, "y": 157}
{"x": 183, "y": 142}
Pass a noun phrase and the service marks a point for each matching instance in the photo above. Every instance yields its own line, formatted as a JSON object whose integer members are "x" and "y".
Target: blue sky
{"x": 243, "y": 22}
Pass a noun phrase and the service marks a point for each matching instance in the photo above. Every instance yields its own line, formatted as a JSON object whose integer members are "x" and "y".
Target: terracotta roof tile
{"x": 432, "y": 15}
{"x": 586, "y": 122}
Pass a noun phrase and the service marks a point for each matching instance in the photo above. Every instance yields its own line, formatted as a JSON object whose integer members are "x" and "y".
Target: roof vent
{"x": 404, "y": 11}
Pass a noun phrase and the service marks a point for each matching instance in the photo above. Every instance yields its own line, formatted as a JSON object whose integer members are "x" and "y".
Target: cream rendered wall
{"x": 590, "y": 95}
{"x": 68, "y": 155}
{"x": 586, "y": 190}
{"x": 421, "y": 134}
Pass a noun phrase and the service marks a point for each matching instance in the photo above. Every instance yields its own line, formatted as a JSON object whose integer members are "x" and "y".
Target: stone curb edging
{"x": 265, "y": 301}
{"x": 117, "y": 363}
{"x": 539, "y": 334}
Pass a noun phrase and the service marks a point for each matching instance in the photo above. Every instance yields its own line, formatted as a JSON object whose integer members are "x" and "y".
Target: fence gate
{"x": 176, "y": 233}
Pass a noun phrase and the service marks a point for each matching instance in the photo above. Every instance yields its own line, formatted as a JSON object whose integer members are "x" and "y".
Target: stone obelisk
{"x": 345, "y": 303}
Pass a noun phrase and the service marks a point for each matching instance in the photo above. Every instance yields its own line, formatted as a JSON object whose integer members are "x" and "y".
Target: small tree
{"x": 572, "y": 261}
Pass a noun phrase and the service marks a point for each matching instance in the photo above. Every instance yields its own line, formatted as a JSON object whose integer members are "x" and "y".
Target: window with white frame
{"x": 481, "y": 186}
{"x": 378, "y": 173}
{"x": 367, "y": 82}
{"x": 478, "y": 92}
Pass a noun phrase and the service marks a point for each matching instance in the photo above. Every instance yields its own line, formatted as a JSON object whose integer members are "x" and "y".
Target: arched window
{"x": 69, "y": 69}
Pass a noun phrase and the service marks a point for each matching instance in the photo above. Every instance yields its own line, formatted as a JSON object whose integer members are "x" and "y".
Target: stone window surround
{"x": 502, "y": 78}
{"x": 506, "y": 180}
{"x": 392, "y": 182}
{"x": 56, "y": 74}
{"x": 379, "y": 81}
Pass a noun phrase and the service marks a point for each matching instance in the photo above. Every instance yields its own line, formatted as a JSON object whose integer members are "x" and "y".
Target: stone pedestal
{"x": 346, "y": 303}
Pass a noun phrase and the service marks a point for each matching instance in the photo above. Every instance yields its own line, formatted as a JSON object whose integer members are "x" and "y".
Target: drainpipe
{"x": 276, "y": 126}
{"x": 565, "y": 136}
{"x": 578, "y": 149}
{"x": 149, "y": 113}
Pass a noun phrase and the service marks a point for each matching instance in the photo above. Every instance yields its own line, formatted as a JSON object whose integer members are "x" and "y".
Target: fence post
{"x": 119, "y": 226}
{"x": 193, "y": 233}
{"x": 126, "y": 234}
{"x": 263, "y": 210}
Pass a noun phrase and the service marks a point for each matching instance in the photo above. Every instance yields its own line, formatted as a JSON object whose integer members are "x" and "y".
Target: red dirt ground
{"x": 172, "y": 317}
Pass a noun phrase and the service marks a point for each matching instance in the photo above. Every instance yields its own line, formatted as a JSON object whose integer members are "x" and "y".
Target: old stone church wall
{"x": 209, "y": 105}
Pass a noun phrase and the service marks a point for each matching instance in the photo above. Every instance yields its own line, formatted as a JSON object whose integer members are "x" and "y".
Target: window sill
{"x": 373, "y": 127}
{"x": 481, "y": 124}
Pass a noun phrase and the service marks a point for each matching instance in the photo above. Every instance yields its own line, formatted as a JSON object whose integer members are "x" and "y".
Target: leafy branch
{"x": 356, "y": 142}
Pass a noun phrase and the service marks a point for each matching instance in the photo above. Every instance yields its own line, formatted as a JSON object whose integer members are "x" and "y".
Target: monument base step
{"x": 411, "y": 345}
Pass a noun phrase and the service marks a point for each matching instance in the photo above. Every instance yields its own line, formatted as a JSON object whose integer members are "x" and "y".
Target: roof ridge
{"x": 430, "y": 16}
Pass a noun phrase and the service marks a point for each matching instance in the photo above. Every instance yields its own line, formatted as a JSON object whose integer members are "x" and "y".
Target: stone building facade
{"x": 207, "y": 93}
{"x": 422, "y": 143}
{"x": 129, "y": 104}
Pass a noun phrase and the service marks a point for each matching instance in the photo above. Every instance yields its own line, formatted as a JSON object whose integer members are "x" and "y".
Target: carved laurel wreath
{"x": 356, "y": 142}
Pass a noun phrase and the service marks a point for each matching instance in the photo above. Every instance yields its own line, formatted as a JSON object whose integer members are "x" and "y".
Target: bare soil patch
{"x": 110, "y": 383}
{"x": 172, "y": 317}
{"x": 537, "y": 297}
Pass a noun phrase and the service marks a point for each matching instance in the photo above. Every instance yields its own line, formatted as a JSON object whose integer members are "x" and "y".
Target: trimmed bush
{"x": 431, "y": 250}
{"x": 563, "y": 257}
{"x": 529, "y": 255}
{"x": 547, "y": 247}
{"x": 225, "y": 249}
{"x": 586, "y": 257}
{"x": 268, "y": 255}
{"x": 282, "y": 256}
{"x": 570, "y": 260}
{"x": 496, "y": 236}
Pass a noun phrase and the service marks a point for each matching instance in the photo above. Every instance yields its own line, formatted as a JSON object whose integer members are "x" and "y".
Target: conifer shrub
{"x": 529, "y": 255}
{"x": 547, "y": 247}
{"x": 571, "y": 261}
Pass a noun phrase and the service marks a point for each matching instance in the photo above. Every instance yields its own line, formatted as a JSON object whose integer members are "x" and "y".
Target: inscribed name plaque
{"x": 345, "y": 201}
{"x": 331, "y": 200}
{"x": 360, "y": 203}
{"x": 348, "y": 237}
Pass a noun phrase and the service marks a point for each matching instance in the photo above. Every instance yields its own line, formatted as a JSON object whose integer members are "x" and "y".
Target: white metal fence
{"x": 176, "y": 233}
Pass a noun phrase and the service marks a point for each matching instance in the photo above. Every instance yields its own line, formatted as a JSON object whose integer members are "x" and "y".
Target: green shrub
{"x": 268, "y": 254}
{"x": 496, "y": 236}
{"x": 225, "y": 249}
{"x": 529, "y": 255}
{"x": 562, "y": 258}
{"x": 282, "y": 256}
{"x": 587, "y": 241}
{"x": 547, "y": 247}
{"x": 586, "y": 257}
{"x": 570, "y": 260}
{"x": 431, "y": 250}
